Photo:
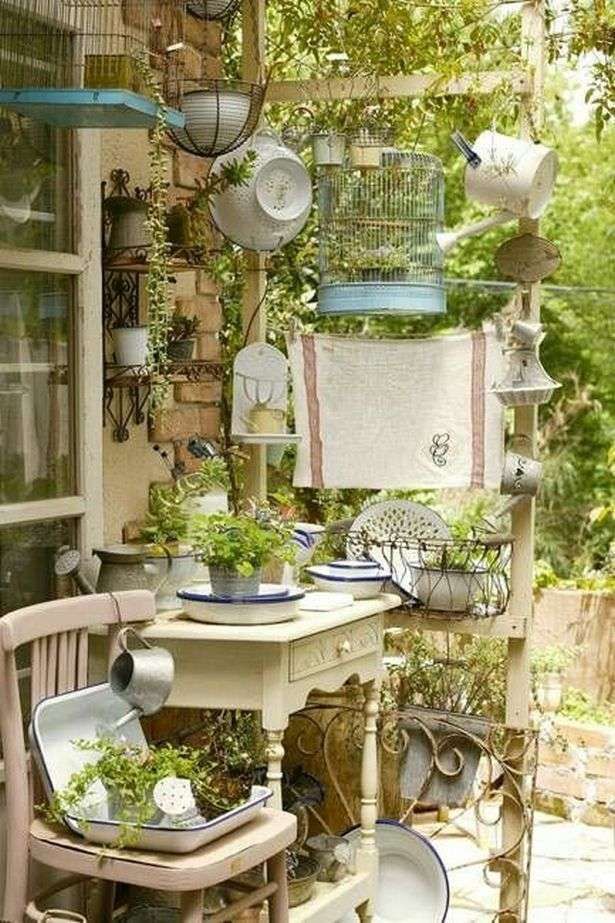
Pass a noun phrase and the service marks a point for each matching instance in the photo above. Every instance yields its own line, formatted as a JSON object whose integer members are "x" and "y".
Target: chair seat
{"x": 243, "y": 849}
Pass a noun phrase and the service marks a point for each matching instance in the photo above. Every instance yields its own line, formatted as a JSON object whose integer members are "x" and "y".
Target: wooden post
{"x": 253, "y": 310}
{"x": 523, "y": 518}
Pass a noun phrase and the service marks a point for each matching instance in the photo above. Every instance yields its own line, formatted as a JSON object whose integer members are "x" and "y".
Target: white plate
{"x": 412, "y": 881}
{"x": 209, "y": 608}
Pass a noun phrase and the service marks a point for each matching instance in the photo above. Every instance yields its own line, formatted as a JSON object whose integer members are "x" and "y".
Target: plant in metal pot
{"x": 123, "y": 776}
{"x": 165, "y": 533}
{"x": 236, "y": 548}
{"x": 182, "y": 334}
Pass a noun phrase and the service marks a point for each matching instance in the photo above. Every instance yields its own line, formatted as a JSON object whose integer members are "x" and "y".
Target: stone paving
{"x": 572, "y": 879}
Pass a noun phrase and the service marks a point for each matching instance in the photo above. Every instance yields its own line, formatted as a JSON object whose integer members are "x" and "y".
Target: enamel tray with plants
{"x": 113, "y": 789}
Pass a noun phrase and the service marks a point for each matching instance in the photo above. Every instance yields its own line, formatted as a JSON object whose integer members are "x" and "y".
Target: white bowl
{"x": 356, "y": 568}
{"x": 279, "y": 604}
{"x": 361, "y": 586}
{"x": 204, "y": 109}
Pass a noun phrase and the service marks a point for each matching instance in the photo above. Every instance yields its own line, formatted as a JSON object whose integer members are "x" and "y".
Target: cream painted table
{"x": 272, "y": 669}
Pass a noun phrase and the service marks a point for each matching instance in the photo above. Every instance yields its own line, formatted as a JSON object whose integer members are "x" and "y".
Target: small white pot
{"x": 515, "y": 175}
{"x": 448, "y": 590}
{"x": 328, "y": 149}
{"x": 130, "y": 345}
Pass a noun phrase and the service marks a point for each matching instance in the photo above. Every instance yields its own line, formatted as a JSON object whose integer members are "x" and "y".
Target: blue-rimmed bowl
{"x": 362, "y": 585}
{"x": 273, "y": 603}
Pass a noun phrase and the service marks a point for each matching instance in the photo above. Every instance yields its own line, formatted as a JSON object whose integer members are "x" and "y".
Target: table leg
{"x": 369, "y": 790}
{"x": 275, "y": 755}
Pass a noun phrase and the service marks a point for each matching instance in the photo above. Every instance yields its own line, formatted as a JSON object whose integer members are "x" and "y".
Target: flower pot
{"x": 225, "y": 581}
{"x": 449, "y": 590}
{"x": 448, "y": 780}
{"x": 328, "y": 149}
{"x": 128, "y": 228}
{"x": 302, "y": 882}
{"x": 130, "y": 345}
{"x": 181, "y": 350}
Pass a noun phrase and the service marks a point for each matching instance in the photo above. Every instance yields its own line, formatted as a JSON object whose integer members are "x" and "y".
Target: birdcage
{"x": 88, "y": 63}
{"x": 379, "y": 251}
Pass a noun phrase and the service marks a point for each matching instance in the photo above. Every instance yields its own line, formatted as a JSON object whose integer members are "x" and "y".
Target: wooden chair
{"x": 57, "y": 633}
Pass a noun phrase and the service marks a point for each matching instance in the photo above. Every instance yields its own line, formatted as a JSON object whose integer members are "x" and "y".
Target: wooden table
{"x": 272, "y": 669}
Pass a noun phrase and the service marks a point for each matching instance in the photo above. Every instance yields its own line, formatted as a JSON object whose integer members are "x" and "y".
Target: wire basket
{"x": 220, "y": 114}
{"x": 86, "y": 44}
{"x": 213, "y": 10}
{"x": 460, "y": 577}
{"x": 378, "y": 247}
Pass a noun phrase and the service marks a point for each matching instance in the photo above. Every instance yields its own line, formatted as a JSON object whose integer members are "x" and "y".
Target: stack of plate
{"x": 363, "y": 579}
{"x": 273, "y": 603}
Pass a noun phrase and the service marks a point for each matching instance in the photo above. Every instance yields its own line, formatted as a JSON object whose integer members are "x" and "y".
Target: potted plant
{"x": 182, "y": 334}
{"x": 548, "y": 666}
{"x": 122, "y": 777}
{"x": 130, "y": 345}
{"x": 328, "y": 148}
{"x": 236, "y": 548}
{"x": 164, "y": 533}
{"x": 447, "y": 577}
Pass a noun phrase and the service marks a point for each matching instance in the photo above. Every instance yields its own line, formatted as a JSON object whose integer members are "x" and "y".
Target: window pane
{"x": 34, "y": 184}
{"x": 26, "y": 563}
{"x": 35, "y": 387}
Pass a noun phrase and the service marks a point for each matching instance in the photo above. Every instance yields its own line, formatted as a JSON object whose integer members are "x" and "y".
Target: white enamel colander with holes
{"x": 274, "y": 205}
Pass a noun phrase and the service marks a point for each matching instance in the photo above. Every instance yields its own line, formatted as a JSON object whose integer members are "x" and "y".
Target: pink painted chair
{"x": 57, "y": 633}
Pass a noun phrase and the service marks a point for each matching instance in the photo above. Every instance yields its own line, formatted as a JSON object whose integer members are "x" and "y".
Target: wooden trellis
{"x": 527, "y": 83}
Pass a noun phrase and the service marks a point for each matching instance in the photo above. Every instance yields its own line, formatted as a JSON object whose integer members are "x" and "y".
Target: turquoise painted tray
{"x": 68, "y": 108}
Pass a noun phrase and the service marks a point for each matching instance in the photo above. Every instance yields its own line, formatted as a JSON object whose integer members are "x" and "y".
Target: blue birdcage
{"x": 379, "y": 252}
{"x": 87, "y": 63}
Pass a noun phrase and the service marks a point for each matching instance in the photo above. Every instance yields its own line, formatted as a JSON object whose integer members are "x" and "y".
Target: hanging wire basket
{"x": 220, "y": 114}
{"x": 378, "y": 250}
{"x": 460, "y": 577}
{"x": 213, "y": 10}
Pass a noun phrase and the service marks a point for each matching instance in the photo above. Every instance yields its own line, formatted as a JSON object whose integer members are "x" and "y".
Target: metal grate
{"x": 379, "y": 226}
{"x": 89, "y": 44}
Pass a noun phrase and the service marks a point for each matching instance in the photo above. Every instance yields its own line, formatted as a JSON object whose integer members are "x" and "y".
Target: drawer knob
{"x": 344, "y": 647}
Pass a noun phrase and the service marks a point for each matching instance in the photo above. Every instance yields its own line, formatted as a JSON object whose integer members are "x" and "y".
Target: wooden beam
{"x": 254, "y": 315}
{"x": 501, "y": 626}
{"x": 40, "y": 510}
{"x": 395, "y": 87}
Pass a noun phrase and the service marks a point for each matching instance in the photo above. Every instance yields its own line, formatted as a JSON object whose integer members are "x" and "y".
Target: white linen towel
{"x": 397, "y": 413}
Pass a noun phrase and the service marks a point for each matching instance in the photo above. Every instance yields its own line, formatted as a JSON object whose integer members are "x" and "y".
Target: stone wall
{"x": 576, "y": 774}
{"x": 586, "y": 623}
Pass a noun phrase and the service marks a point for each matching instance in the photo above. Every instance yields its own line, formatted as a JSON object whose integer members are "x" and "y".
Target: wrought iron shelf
{"x": 137, "y": 376}
{"x": 136, "y": 259}
{"x": 499, "y": 626}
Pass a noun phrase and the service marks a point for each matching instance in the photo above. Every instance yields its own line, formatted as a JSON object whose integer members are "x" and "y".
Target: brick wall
{"x": 576, "y": 773}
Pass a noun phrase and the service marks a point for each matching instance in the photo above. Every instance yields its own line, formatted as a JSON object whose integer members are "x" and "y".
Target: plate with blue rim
{"x": 412, "y": 881}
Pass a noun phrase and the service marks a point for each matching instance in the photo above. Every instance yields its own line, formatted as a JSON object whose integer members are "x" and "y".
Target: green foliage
{"x": 182, "y": 327}
{"x": 212, "y": 474}
{"x": 579, "y": 706}
{"x": 166, "y": 522}
{"x": 554, "y": 659}
{"x": 129, "y": 774}
{"x": 468, "y": 675}
{"x": 232, "y": 174}
{"x": 241, "y": 543}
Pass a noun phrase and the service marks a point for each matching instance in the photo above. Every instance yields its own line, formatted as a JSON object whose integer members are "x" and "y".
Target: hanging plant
{"x": 160, "y": 309}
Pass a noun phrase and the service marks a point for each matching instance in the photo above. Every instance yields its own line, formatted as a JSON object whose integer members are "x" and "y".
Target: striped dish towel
{"x": 397, "y": 413}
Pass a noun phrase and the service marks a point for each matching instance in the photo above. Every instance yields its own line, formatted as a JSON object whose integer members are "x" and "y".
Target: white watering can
{"x": 509, "y": 173}
{"x": 447, "y": 240}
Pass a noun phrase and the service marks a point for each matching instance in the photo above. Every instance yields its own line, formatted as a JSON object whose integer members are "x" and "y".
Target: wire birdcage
{"x": 213, "y": 10}
{"x": 378, "y": 247}
{"x": 460, "y": 577}
{"x": 51, "y": 49}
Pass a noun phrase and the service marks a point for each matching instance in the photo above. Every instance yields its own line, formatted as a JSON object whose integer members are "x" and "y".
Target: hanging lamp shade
{"x": 525, "y": 380}
{"x": 379, "y": 252}
{"x": 77, "y": 63}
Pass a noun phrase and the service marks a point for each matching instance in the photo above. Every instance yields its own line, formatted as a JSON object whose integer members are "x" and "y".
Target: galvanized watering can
{"x": 143, "y": 678}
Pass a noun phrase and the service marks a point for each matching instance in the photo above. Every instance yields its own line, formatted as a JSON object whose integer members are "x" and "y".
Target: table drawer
{"x": 316, "y": 653}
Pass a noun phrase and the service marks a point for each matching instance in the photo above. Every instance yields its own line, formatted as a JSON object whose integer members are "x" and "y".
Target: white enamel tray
{"x": 85, "y": 715}
{"x": 412, "y": 881}
{"x": 200, "y": 604}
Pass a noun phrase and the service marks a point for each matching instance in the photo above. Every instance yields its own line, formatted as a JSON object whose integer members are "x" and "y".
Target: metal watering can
{"x": 142, "y": 678}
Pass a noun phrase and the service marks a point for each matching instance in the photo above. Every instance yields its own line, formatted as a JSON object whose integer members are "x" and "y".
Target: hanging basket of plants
{"x": 213, "y": 10}
{"x": 220, "y": 114}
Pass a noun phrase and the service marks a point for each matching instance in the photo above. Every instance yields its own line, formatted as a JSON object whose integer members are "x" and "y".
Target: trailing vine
{"x": 160, "y": 308}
